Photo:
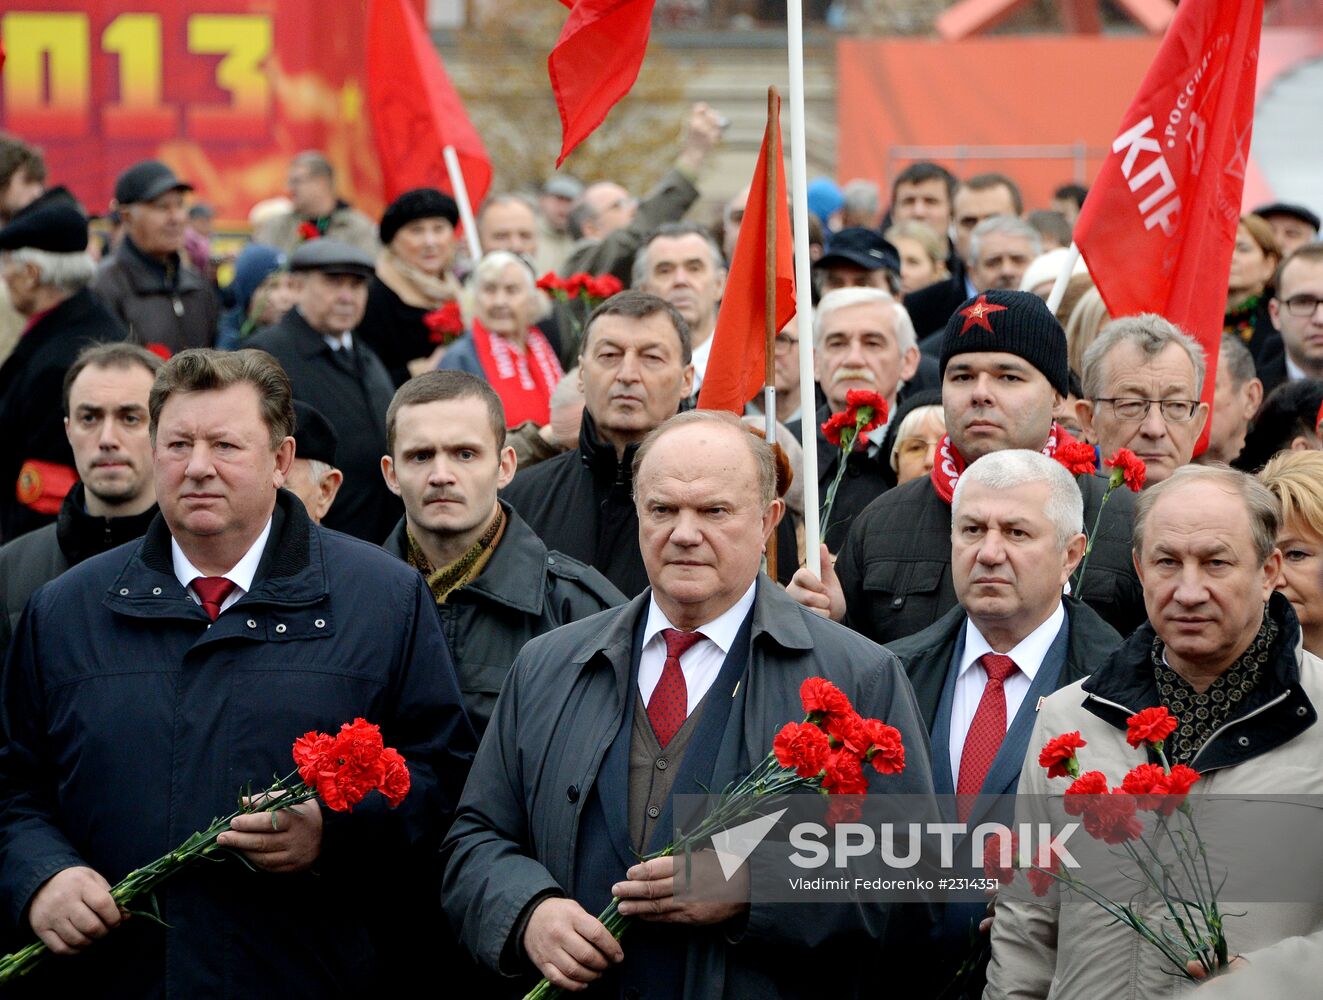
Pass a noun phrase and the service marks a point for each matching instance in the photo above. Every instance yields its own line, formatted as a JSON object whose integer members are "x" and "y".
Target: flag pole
{"x": 458, "y": 186}
{"x": 1063, "y": 279}
{"x": 803, "y": 289}
{"x": 769, "y": 296}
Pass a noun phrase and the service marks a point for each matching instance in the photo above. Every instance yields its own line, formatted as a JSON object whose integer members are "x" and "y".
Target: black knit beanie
{"x": 420, "y": 203}
{"x": 1016, "y": 323}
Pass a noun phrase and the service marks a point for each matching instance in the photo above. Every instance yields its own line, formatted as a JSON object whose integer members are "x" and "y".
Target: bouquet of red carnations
{"x": 864, "y": 411}
{"x": 340, "y": 770}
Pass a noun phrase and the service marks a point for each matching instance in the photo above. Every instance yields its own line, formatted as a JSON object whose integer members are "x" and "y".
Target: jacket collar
{"x": 81, "y": 535}
{"x": 149, "y": 276}
{"x": 599, "y": 455}
{"x": 307, "y": 341}
{"x": 291, "y": 574}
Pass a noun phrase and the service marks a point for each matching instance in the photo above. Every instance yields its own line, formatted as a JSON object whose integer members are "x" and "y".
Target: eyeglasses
{"x": 1132, "y": 408}
{"x": 785, "y": 344}
{"x": 1302, "y": 305}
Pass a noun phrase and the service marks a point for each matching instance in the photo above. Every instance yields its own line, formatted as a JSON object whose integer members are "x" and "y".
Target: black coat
{"x": 177, "y": 309}
{"x": 32, "y": 401}
{"x": 394, "y": 330}
{"x": 932, "y": 306}
{"x": 126, "y": 734}
{"x": 40, "y": 556}
{"x": 353, "y": 390}
{"x": 895, "y": 567}
{"x": 866, "y": 478}
{"x": 522, "y": 592}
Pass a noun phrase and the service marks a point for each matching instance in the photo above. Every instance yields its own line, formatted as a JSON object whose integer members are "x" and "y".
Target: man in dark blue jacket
{"x": 199, "y": 655}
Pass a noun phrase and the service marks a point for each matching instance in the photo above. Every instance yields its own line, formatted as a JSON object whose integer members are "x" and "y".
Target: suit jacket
{"x": 541, "y": 764}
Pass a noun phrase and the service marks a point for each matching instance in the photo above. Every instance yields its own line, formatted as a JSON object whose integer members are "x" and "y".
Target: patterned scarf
{"x": 1201, "y": 713}
{"x": 523, "y": 379}
{"x": 951, "y": 464}
{"x": 445, "y": 581}
{"x": 415, "y": 287}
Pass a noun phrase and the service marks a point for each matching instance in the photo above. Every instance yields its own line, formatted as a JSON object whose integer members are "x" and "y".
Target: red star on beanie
{"x": 977, "y": 312}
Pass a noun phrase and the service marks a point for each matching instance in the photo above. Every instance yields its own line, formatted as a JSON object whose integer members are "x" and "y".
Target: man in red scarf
{"x": 1004, "y": 369}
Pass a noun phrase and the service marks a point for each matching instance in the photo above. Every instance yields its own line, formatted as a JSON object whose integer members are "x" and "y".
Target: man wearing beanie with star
{"x": 1004, "y": 369}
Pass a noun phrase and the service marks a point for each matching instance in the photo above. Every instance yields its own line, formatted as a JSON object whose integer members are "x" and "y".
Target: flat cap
{"x": 861, "y": 247}
{"x": 145, "y": 181}
{"x": 331, "y": 257}
{"x": 563, "y": 186}
{"x": 1294, "y": 211}
{"x": 314, "y": 437}
{"x": 57, "y": 227}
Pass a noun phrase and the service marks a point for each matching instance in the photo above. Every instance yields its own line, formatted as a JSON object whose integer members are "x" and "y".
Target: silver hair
{"x": 317, "y": 469}
{"x": 65, "y": 272}
{"x": 763, "y": 456}
{"x": 1018, "y": 467}
{"x": 908, "y": 426}
{"x": 1004, "y": 225}
{"x": 862, "y": 198}
{"x": 493, "y": 263}
{"x": 1151, "y": 334}
{"x": 1261, "y": 504}
{"x": 639, "y": 270}
{"x": 843, "y": 298}
{"x": 566, "y": 391}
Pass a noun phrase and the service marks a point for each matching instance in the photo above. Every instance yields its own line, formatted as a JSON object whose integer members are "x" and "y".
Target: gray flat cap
{"x": 331, "y": 257}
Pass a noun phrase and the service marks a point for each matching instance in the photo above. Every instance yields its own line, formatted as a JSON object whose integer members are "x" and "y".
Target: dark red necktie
{"x": 669, "y": 705}
{"x": 986, "y": 731}
{"x": 212, "y": 591}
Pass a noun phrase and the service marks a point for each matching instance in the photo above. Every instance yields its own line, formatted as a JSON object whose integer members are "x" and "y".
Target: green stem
{"x": 848, "y": 439}
{"x": 1088, "y": 545}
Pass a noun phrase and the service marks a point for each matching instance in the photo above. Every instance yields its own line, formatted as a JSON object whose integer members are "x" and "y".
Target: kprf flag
{"x": 737, "y": 364}
{"x": 1160, "y": 221}
{"x": 595, "y": 61}
{"x": 415, "y": 109}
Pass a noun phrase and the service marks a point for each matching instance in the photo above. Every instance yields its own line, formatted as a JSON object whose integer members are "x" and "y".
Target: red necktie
{"x": 212, "y": 591}
{"x": 986, "y": 731}
{"x": 669, "y": 705}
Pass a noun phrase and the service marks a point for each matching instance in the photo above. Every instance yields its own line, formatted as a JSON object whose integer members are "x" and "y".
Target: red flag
{"x": 415, "y": 110}
{"x": 1160, "y": 221}
{"x": 595, "y": 61}
{"x": 737, "y": 364}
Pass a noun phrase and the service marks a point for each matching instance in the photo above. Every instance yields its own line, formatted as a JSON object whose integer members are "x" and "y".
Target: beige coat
{"x": 1076, "y": 952}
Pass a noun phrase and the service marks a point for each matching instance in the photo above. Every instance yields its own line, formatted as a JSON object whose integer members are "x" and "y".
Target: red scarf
{"x": 524, "y": 387}
{"x": 950, "y": 463}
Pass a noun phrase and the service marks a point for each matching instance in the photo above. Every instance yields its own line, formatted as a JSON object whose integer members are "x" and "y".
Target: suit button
{"x": 653, "y": 812}
{"x": 572, "y": 793}
{"x": 662, "y": 763}
{"x": 897, "y": 602}
{"x": 1243, "y": 741}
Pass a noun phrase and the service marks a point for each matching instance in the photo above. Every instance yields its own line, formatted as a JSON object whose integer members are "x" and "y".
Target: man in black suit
{"x": 980, "y": 670}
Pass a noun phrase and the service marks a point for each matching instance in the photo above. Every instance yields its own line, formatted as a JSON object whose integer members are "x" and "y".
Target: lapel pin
{"x": 1041, "y": 699}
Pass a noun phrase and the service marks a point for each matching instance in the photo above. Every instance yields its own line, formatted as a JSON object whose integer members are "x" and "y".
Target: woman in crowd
{"x": 1254, "y": 259}
{"x": 261, "y": 292}
{"x": 413, "y": 294}
{"x": 1287, "y": 421}
{"x": 922, "y": 255}
{"x": 1296, "y": 479}
{"x": 503, "y": 346}
{"x": 912, "y": 435}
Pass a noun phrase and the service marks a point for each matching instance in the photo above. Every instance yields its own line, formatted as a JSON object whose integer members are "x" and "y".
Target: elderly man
{"x": 1236, "y": 399}
{"x": 610, "y": 224}
{"x": 145, "y": 281}
{"x": 105, "y": 421}
{"x": 200, "y": 655}
{"x": 508, "y": 222}
{"x": 979, "y": 671}
{"x": 1293, "y": 225}
{"x": 1003, "y": 372}
{"x": 1142, "y": 379}
{"x": 858, "y": 258}
{"x": 862, "y": 339}
{"x": 316, "y": 210}
{"x": 313, "y": 476}
{"x": 682, "y": 264}
{"x": 495, "y": 584}
{"x": 44, "y": 263}
{"x": 554, "y": 203}
{"x": 635, "y": 371}
{"x": 1294, "y": 311}
{"x": 675, "y": 692}
{"x": 1222, "y": 653}
{"x": 342, "y": 378}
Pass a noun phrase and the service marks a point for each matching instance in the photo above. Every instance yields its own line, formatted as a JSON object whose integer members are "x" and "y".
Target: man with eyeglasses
{"x": 1142, "y": 380}
{"x": 1297, "y": 313}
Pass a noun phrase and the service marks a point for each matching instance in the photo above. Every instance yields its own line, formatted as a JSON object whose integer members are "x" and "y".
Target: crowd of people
{"x": 473, "y": 502}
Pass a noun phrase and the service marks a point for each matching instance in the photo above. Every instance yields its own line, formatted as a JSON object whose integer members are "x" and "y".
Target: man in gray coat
{"x": 601, "y": 722}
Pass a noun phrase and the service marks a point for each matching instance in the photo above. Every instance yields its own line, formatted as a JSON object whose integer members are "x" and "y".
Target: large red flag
{"x": 415, "y": 109}
{"x": 1160, "y": 221}
{"x": 737, "y": 364}
{"x": 595, "y": 61}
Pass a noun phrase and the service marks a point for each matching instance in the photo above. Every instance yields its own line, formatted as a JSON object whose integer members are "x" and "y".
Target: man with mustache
{"x": 862, "y": 339}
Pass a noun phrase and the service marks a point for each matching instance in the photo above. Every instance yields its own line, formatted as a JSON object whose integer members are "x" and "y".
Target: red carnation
{"x": 844, "y": 774}
{"x": 843, "y": 810}
{"x": 834, "y": 425}
{"x": 1078, "y": 458}
{"x": 847, "y": 731}
{"x": 444, "y": 324}
{"x": 1058, "y": 755}
{"x": 550, "y": 283}
{"x": 886, "y": 750}
{"x": 803, "y": 747}
{"x": 1111, "y": 818}
{"x": 1179, "y": 782}
{"x": 576, "y": 283}
{"x": 1040, "y": 880}
{"x": 1088, "y": 784}
{"x": 821, "y": 695}
{"x": 313, "y": 754}
{"x": 1153, "y": 725}
{"x": 160, "y": 350}
{"x": 309, "y": 231}
{"x": 358, "y": 752}
{"x": 1127, "y": 467}
{"x": 859, "y": 400}
{"x": 1148, "y": 783}
{"x": 604, "y": 286}
{"x": 395, "y": 784}
{"x": 992, "y": 854}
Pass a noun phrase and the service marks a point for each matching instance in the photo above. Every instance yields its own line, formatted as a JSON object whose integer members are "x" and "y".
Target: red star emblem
{"x": 977, "y": 314}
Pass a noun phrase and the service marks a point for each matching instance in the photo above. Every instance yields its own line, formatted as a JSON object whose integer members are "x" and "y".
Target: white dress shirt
{"x": 341, "y": 342}
{"x": 241, "y": 573}
{"x": 971, "y": 678}
{"x": 701, "y": 663}
{"x": 700, "y": 355}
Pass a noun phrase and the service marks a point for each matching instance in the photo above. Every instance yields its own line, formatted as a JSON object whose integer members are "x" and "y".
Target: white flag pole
{"x": 1063, "y": 279}
{"x": 462, "y": 199}
{"x": 803, "y": 288}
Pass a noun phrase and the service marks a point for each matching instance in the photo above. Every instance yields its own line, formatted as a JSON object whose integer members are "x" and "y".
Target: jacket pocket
{"x": 903, "y": 597}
